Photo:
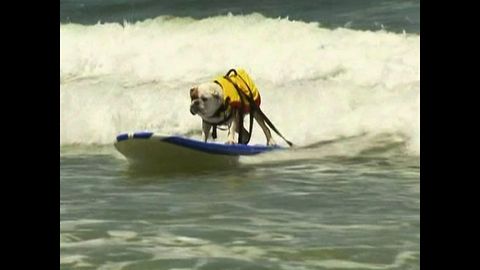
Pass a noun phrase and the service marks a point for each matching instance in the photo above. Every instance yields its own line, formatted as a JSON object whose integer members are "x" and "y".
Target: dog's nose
{"x": 194, "y": 107}
{"x": 196, "y": 102}
{"x": 193, "y": 111}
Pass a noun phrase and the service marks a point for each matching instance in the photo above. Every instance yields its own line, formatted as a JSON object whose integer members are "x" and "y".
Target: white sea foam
{"x": 316, "y": 83}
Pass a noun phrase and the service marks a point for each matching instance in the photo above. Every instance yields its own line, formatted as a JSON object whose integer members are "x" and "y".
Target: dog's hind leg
{"x": 266, "y": 130}
{"x": 245, "y": 136}
{"x": 236, "y": 128}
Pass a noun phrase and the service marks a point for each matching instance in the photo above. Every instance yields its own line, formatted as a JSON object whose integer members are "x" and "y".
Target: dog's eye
{"x": 204, "y": 98}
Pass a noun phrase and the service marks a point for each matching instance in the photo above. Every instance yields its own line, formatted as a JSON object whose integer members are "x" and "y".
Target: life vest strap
{"x": 254, "y": 107}
{"x": 241, "y": 112}
{"x": 226, "y": 118}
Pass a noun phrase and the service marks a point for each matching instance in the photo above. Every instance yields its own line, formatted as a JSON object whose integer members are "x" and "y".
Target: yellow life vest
{"x": 231, "y": 95}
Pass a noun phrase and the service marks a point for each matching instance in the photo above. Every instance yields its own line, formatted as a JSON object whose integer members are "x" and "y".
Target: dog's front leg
{"x": 206, "y": 130}
{"x": 233, "y": 128}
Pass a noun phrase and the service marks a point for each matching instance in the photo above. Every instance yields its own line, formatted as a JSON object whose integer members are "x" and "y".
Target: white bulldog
{"x": 217, "y": 104}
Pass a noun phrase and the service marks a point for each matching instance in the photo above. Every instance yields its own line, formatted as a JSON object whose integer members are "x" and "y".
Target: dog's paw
{"x": 230, "y": 142}
{"x": 271, "y": 142}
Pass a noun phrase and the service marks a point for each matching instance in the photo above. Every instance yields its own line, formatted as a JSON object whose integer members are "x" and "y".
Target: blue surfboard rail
{"x": 217, "y": 148}
{"x": 136, "y": 135}
{"x": 208, "y": 147}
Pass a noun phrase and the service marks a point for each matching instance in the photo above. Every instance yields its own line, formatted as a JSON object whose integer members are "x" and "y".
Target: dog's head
{"x": 206, "y": 98}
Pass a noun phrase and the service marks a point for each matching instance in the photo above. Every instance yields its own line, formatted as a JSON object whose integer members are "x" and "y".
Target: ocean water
{"x": 394, "y": 15}
{"x": 340, "y": 79}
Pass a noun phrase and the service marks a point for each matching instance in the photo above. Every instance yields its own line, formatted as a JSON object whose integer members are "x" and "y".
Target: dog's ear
{"x": 194, "y": 92}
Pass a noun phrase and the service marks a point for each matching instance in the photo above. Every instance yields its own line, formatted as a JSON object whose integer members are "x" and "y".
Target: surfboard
{"x": 175, "y": 151}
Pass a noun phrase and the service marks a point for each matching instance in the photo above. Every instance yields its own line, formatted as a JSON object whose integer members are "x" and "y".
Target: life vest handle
{"x": 231, "y": 70}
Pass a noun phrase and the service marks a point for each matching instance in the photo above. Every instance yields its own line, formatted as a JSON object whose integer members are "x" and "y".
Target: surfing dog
{"x": 226, "y": 101}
